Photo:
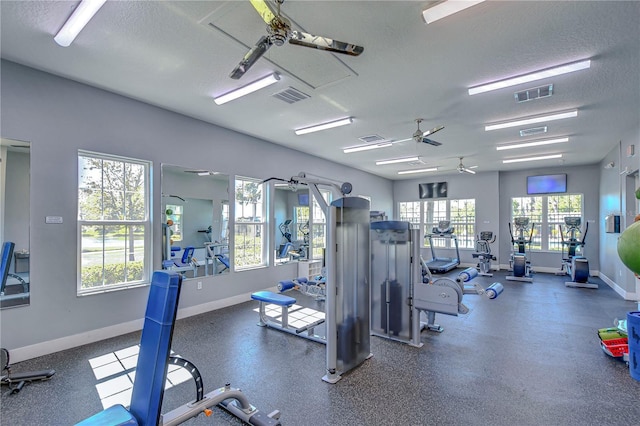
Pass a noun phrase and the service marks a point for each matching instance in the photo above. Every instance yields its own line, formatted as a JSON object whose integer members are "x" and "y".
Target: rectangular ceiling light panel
{"x": 407, "y": 172}
{"x": 532, "y": 120}
{"x": 522, "y": 160}
{"x": 446, "y": 8}
{"x": 248, "y": 88}
{"x": 324, "y": 126}
{"x": 397, "y": 160}
{"x": 77, "y": 21}
{"x": 527, "y": 78}
{"x": 360, "y": 148}
{"x": 532, "y": 143}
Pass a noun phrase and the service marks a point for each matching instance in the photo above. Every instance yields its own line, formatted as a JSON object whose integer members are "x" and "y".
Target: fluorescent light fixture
{"x": 446, "y": 8}
{"x": 542, "y": 157}
{"x": 406, "y": 172}
{"x": 367, "y": 147}
{"x": 537, "y": 75}
{"x": 397, "y": 160}
{"x": 532, "y": 143}
{"x": 248, "y": 88}
{"x": 325, "y": 126}
{"x": 532, "y": 120}
{"x": 77, "y": 21}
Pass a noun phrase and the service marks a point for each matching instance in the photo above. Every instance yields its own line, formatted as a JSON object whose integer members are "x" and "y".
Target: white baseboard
{"x": 45, "y": 348}
{"x": 626, "y": 295}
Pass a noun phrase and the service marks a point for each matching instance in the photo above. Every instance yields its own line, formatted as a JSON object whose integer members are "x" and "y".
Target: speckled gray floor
{"x": 530, "y": 357}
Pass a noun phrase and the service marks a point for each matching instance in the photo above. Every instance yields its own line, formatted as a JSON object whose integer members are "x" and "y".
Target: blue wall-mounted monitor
{"x": 303, "y": 199}
{"x": 547, "y": 184}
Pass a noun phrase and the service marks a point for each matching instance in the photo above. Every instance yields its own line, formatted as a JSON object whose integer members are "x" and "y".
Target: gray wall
{"x": 580, "y": 180}
{"x": 617, "y": 197}
{"x": 483, "y": 186}
{"x": 59, "y": 117}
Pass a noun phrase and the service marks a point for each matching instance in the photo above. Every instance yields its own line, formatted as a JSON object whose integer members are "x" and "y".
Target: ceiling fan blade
{"x": 264, "y": 10}
{"x": 251, "y": 57}
{"x": 469, "y": 171}
{"x": 430, "y": 142}
{"x": 324, "y": 43}
{"x": 432, "y": 131}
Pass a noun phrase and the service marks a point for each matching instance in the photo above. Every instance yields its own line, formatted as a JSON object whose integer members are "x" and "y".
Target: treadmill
{"x": 441, "y": 265}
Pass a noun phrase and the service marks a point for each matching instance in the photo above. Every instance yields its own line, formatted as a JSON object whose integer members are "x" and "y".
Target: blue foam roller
{"x": 285, "y": 285}
{"x": 494, "y": 290}
{"x": 302, "y": 280}
{"x": 468, "y": 274}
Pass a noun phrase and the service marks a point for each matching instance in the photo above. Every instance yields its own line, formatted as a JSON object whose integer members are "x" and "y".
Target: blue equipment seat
{"x": 274, "y": 298}
{"x": 155, "y": 349}
{"x": 224, "y": 260}
{"x": 7, "y": 254}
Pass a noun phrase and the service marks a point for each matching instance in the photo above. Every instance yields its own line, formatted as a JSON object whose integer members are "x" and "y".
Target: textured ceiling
{"x": 178, "y": 54}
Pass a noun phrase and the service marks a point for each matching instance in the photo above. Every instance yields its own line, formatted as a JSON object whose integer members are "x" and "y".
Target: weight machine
{"x": 403, "y": 302}
{"x": 574, "y": 263}
{"x": 483, "y": 253}
{"x": 519, "y": 263}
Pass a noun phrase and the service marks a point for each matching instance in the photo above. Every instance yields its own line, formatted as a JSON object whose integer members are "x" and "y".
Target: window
{"x": 427, "y": 214}
{"x": 319, "y": 227}
{"x": 301, "y": 223}
{"x": 176, "y": 218}
{"x": 546, "y": 213}
{"x": 250, "y": 227}
{"x": 114, "y": 229}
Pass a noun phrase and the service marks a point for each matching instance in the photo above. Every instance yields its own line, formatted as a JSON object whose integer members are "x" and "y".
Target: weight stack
{"x": 633, "y": 332}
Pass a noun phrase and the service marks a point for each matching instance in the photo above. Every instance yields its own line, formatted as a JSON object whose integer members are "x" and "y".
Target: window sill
{"x": 102, "y": 290}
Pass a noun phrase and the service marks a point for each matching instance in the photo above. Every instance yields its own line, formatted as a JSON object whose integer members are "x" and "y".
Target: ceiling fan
{"x": 462, "y": 169}
{"x": 279, "y": 31}
{"x": 421, "y": 137}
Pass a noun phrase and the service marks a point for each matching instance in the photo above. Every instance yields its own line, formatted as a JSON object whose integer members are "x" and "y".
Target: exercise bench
{"x": 284, "y": 302}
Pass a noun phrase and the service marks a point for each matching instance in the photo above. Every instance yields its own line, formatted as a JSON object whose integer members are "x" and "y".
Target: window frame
{"x": 145, "y": 223}
{"x": 260, "y": 226}
{"x": 545, "y": 234}
{"x": 419, "y": 214}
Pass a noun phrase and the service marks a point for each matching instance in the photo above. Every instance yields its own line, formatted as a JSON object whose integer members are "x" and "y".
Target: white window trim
{"x": 148, "y": 246}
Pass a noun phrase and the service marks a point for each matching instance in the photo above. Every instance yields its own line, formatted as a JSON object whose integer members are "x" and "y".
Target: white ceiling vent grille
{"x": 535, "y": 93}
{"x": 418, "y": 162}
{"x": 372, "y": 138}
{"x": 533, "y": 131}
{"x": 291, "y": 95}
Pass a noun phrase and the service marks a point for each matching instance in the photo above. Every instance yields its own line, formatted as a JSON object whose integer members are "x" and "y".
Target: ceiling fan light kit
{"x": 532, "y": 120}
{"x": 527, "y": 78}
{"x": 77, "y": 21}
{"x": 247, "y": 88}
{"x": 532, "y": 143}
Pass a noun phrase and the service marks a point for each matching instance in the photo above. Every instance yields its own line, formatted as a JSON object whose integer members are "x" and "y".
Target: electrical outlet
{"x": 199, "y": 285}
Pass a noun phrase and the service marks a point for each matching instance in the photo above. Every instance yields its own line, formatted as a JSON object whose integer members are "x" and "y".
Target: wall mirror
{"x": 14, "y": 222}
{"x": 195, "y": 215}
{"x": 291, "y": 222}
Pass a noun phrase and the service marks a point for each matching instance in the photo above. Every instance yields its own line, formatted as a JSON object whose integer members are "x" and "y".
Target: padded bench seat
{"x": 274, "y": 298}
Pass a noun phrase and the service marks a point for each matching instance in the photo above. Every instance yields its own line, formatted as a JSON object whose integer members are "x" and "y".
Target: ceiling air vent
{"x": 291, "y": 95}
{"x": 533, "y": 131}
{"x": 535, "y": 93}
{"x": 372, "y": 138}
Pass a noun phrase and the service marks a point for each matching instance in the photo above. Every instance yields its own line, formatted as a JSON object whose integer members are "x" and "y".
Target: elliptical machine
{"x": 574, "y": 263}
{"x": 483, "y": 253}
{"x": 519, "y": 263}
